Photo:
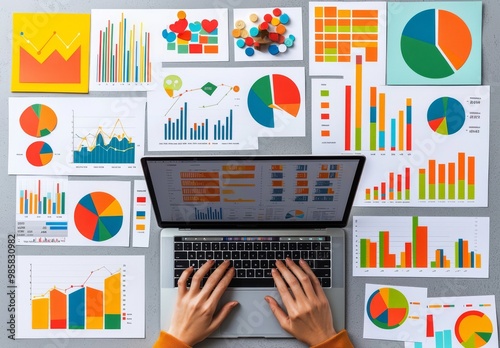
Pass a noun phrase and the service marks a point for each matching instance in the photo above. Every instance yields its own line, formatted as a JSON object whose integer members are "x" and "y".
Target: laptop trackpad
{"x": 252, "y": 317}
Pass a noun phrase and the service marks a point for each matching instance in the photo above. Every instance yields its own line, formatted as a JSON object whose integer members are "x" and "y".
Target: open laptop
{"x": 253, "y": 210}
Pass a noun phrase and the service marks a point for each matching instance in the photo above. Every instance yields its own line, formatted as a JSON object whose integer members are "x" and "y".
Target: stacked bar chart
{"x": 421, "y": 246}
{"x": 451, "y": 180}
{"x": 396, "y": 188}
{"x": 101, "y": 296}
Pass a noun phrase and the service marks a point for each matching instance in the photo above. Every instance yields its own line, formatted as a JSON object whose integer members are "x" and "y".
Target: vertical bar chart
{"x": 395, "y": 188}
{"x": 448, "y": 181}
{"x": 124, "y": 54}
{"x": 421, "y": 246}
{"x": 81, "y": 296}
{"x": 41, "y": 196}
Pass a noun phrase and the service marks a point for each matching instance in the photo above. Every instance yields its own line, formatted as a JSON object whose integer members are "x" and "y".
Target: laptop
{"x": 253, "y": 210}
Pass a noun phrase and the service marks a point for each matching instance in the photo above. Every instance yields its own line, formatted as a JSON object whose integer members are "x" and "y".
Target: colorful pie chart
{"x": 272, "y": 94}
{"x": 39, "y": 154}
{"x": 473, "y": 329}
{"x": 38, "y": 120}
{"x": 436, "y": 43}
{"x": 98, "y": 216}
{"x": 446, "y": 116}
{"x": 295, "y": 214}
{"x": 387, "y": 308}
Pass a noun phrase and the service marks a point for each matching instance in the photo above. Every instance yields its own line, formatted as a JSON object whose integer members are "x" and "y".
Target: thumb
{"x": 278, "y": 312}
{"x": 222, "y": 314}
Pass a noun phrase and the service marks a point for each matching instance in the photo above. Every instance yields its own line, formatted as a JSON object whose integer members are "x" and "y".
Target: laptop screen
{"x": 248, "y": 192}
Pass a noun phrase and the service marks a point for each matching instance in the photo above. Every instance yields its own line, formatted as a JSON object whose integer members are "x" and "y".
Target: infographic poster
{"x": 80, "y": 296}
{"x": 50, "y": 52}
{"x": 225, "y": 108}
{"x": 434, "y": 43}
{"x": 76, "y": 136}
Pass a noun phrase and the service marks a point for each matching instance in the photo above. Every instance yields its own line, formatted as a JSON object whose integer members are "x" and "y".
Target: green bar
{"x": 421, "y": 186}
{"x": 373, "y": 136}
{"x": 63, "y": 203}
{"x": 433, "y": 264}
{"x": 414, "y": 239}
{"x": 407, "y": 194}
{"x": 442, "y": 191}
{"x": 451, "y": 191}
{"x": 461, "y": 189}
{"x": 331, "y": 59}
{"x": 325, "y": 93}
{"x": 367, "y": 198}
{"x": 367, "y": 29}
{"x": 345, "y": 29}
{"x": 471, "y": 190}
{"x": 363, "y": 243}
{"x": 432, "y": 191}
{"x": 400, "y": 196}
{"x": 112, "y": 321}
{"x": 381, "y": 249}
{"x": 358, "y": 139}
{"x": 330, "y": 29}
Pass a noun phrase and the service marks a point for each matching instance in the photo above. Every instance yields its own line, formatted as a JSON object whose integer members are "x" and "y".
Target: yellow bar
{"x": 31, "y": 203}
{"x": 141, "y": 66}
{"x": 112, "y": 294}
{"x": 58, "y": 204}
{"x": 40, "y": 313}
{"x": 359, "y": 86}
{"x": 119, "y": 57}
{"x": 403, "y": 259}
{"x": 49, "y": 206}
{"x": 477, "y": 264}
{"x": 21, "y": 205}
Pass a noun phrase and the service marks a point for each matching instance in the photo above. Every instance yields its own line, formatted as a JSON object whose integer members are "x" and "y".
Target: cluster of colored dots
{"x": 268, "y": 34}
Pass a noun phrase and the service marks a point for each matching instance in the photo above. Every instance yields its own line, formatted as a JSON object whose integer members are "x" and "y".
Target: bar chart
{"x": 102, "y": 296}
{"x": 396, "y": 188}
{"x": 421, "y": 246}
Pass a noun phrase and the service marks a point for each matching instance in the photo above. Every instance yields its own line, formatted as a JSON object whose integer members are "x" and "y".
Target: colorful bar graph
{"x": 80, "y": 307}
{"x": 448, "y": 181}
{"x": 396, "y": 188}
{"x": 42, "y": 198}
{"x": 124, "y": 53}
{"x": 413, "y": 246}
{"x": 209, "y": 214}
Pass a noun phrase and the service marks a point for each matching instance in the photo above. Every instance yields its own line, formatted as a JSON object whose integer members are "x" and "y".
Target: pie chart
{"x": 446, "y": 116}
{"x": 98, "y": 216}
{"x": 473, "y": 329}
{"x": 272, "y": 94}
{"x": 39, "y": 154}
{"x": 436, "y": 43}
{"x": 387, "y": 308}
{"x": 295, "y": 214}
{"x": 38, "y": 120}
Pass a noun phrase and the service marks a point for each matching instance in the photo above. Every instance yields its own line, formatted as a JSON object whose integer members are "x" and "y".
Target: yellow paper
{"x": 50, "y": 52}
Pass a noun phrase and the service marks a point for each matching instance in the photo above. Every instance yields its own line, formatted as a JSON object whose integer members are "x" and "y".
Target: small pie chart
{"x": 446, "y": 115}
{"x": 39, "y": 154}
{"x": 473, "y": 329}
{"x": 436, "y": 43}
{"x": 273, "y": 94}
{"x": 98, "y": 216}
{"x": 38, "y": 120}
{"x": 295, "y": 214}
{"x": 387, "y": 308}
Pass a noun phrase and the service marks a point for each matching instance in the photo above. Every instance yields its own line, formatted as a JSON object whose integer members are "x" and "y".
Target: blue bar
{"x": 76, "y": 310}
{"x": 185, "y": 123}
{"x": 439, "y": 339}
{"x": 472, "y": 259}
{"x": 441, "y": 258}
{"x": 231, "y": 124}
{"x": 206, "y": 129}
{"x": 136, "y": 60}
{"x": 381, "y": 140}
{"x": 408, "y": 114}
{"x": 447, "y": 339}
{"x": 418, "y": 345}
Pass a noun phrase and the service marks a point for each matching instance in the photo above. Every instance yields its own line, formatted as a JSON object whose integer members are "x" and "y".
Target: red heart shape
{"x": 186, "y": 35}
{"x": 179, "y": 26}
{"x": 209, "y": 26}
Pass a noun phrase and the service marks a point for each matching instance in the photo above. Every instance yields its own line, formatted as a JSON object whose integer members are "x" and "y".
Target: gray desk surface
{"x": 355, "y": 286}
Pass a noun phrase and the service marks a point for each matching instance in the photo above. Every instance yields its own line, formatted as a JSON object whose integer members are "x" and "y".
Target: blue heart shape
{"x": 195, "y": 27}
{"x": 169, "y": 36}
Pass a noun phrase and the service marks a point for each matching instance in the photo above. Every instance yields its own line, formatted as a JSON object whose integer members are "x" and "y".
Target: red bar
{"x": 430, "y": 326}
{"x": 141, "y": 199}
{"x": 421, "y": 247}
{"x": 382, "y": 194}
{"x": 408, "y": 257}
{"x": 400, "y": 179}
{"x": 389, "y": 259}
{"x": 348, "y": 118}
{"x": 407, "y": 178}
{"x": 373, "y": 255}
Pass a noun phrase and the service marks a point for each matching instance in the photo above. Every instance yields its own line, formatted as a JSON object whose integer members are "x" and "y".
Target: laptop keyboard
{"x": 254, "y": 257}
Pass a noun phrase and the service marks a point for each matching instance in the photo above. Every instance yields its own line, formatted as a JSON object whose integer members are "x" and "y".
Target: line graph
{"x": 115, "y": 146}
{"x": 54, "y": 35}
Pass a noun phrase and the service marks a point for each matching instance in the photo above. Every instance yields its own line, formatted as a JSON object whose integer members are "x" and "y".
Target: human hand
{"x": 194, "y": 317}
{"x": 309, "y": 317}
